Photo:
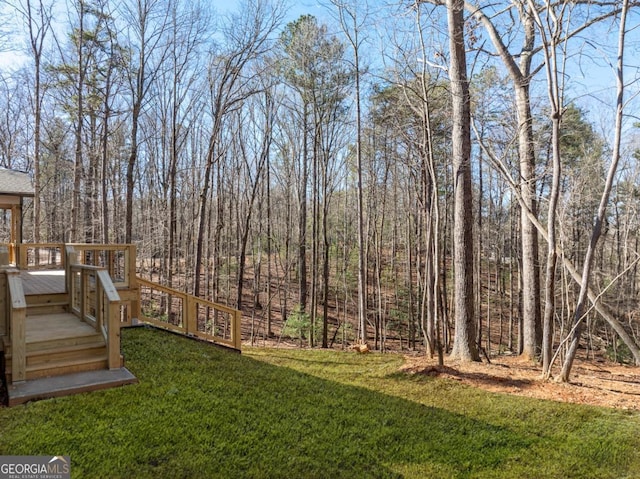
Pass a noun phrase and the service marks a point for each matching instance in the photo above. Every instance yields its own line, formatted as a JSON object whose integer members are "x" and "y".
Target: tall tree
{"x": 247, "y": 37}
{"x": 464, "y": 344}
{"x": 297, "y": 41}
{"x": 314, "y": 66}
{"x": 519, "y": 68}
{"x": 255, "y": 135}
{"x": 596, "y": 232}
{"x": 352, "y": 24}
{"x": 38, "y": 16}
{"x": 148, "y": 21}
{"x": 551, "y": 32}
{"x": 189, "y": 22}
{"x": 79, "y": 86}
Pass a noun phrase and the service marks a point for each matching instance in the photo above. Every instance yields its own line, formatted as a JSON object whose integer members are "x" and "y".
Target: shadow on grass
{"x": 199, "y": 411}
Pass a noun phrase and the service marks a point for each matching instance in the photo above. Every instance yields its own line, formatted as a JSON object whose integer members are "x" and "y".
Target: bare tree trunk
{"x": 578, "y": 316}
{"x": 325, "y": 261}
{"x": 78, "y": 166}
{"x": 464, "y": 345}
{"x": 37, "y": 35}
{"x": 254, "y": 177}
{"x": 362, "y": 266}
{"x": 313, "y": 311}
{"x": 105, "y": 154}
{"x": 554, "y": 90}
{"x": 531, "y": 332}
{"x": 302, "y": 218}
{"x": 269, "y": 247}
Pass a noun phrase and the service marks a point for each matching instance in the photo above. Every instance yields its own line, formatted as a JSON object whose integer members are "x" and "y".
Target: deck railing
{"x": 186, "y": 314}
{"x": 119, "y": 261}
{"x": 95, "y": 300}
{"x": 38, "y": 256}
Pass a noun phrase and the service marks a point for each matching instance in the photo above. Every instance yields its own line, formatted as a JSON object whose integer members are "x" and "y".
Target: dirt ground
{"x": 598, "y": 383}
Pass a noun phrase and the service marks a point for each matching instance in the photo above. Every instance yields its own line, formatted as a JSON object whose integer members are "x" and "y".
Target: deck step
{"x": 52, "y": 298}
{"x": 47, "y": 308}
{"x": 59, "y": 344}
{"x": 67, "y": 366}
{"x": 47, "y": 304}
{"x": 68, "y": 384}
{"x": 37, "y": 353}
{"x": 80, "y": 351}
{"x": 61, "y": 367}
{"x": 63, "y": 343}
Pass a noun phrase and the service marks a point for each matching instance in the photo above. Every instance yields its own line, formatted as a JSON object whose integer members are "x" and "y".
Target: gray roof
{"x": 14, "y": 182}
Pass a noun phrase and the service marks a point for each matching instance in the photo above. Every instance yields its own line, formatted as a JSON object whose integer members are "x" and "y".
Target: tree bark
{"x": 549, "y": 43}
{"x": 464, "y": 345}
{"x": 578, "y": 315}
{"x": 78, "y": 166}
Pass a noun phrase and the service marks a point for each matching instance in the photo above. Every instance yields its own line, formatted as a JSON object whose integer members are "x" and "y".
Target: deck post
{"x": 4, "y": 323}
{"x": 17, "y": 311}
{"x": 83, "y": 294}
{"x": 22, "y": 261}
{"x": 113, "y": 345}
{"x": 110, "y": 307}
{"x": 237, "y": 330}
{"x": 191, "y": 315}
{"x": 71, "y": 258}
{"x": 13, "y": 259}
{"x": 112, "y": 321}
{"x": 132, "y": 281}
{"x": 4, "y": 256}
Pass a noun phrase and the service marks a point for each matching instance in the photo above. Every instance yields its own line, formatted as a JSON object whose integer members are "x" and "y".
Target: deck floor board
{"x": 46, "y": 327}
{"x": 43, "y": 282}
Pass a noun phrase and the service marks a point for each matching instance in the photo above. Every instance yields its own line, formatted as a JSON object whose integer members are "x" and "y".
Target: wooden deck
{"x": 64, "y": 354}
{"x": 43, "y": 282}
{"x": 61, "y": 335}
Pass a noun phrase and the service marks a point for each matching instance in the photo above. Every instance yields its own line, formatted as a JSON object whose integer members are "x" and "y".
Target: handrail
{"x": 17, "y": 314}
{"x": 109, "y": 304}
{"x": 190, "y": 324}
{"x": 92, "y": 286}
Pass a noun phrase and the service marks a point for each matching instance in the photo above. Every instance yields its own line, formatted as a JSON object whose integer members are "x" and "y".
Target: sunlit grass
{"x": 202, "y": 412}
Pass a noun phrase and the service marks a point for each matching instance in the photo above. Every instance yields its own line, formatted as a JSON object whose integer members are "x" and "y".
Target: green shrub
{"x": 619, "y": 352}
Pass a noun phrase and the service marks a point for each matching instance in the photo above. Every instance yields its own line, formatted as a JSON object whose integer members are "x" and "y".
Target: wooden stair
{"x": 46, "y": 304}
{"x": 59, "y": 344}
{"x": 64, "y": 355}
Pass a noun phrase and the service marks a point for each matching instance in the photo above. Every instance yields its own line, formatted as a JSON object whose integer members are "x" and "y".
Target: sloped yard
{"x": 200, "y": 411}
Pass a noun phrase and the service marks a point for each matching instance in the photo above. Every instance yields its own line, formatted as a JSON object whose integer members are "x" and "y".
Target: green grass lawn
{"x": 203, "y": 412}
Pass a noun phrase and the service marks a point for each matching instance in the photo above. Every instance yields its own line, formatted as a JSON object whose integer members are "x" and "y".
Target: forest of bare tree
{"x": 415, "y": 175}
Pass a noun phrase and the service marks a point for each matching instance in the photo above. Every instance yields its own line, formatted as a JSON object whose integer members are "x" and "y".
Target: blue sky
{"x": 12, "y": 56}
{"x": 593, "y": 82}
